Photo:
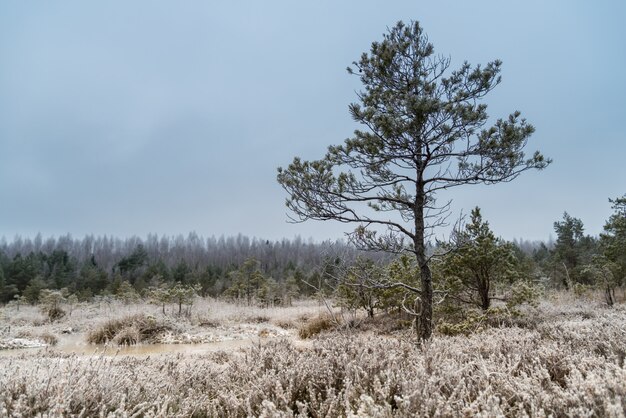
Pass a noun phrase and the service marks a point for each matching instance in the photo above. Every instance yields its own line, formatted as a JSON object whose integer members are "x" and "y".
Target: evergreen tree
{"x": 130, "y": 267}
{"x": 603, "y": 273}
{"x": 425, "y": 131}
{"x": 2, "y": 283}
{"x": 61, "y": 268}
{"x": 50, "y": 303}
{"x": 158, "y": 269}
{"x": 33, "y": 290}
{"x": 358, "y": 286}
{"x": 207, "y": 280}
{"x": 183, "y": 294}
{"x": 612, "y": 263}
{"x": 92, "y": 280}
{"x": 613, "y": 239}
{"x": 182, "y": 272}
{"x": 246, "y": 282}
{"x": 481, "y": 262}
{"x": 572, "y": 251}
{"x": 22, "y": 270}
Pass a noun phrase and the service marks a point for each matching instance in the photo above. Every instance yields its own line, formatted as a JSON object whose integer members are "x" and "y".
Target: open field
{"x": 565, "y": 358}
{"x": 211, "y": 321}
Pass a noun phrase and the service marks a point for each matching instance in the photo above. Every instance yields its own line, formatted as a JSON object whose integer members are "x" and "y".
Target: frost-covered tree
{"x": 425, "y": 129}
{"x": 246, "y": 282}
{"x": 50, "y": 303}
{"x": 183, "y": 294}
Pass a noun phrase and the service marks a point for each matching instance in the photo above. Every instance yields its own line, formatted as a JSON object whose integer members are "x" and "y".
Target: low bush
{"x": 129, "y": 330}
{"x": 570, "y": 367}
{"x": 207, "y": 322}
{"x": 128, "y": 336}
{"x": 258, "y": 319}
{"x": 384, "y": 324}
{"x": 315, "y": 326}
{"x": 55, "y": 313}
{"x": 285, "y": 324}
{"x": 48, "y": 338}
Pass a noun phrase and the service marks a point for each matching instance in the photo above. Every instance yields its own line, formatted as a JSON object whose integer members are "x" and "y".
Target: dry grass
{"x": 49, "y": 339}
{"x": 227, "y": 312}
{"x": 565, "y": 360}
{"x": 211, "y": 320}
{"x": 129, "y": 330}
{"x": 285, "y": 324}
{"x": 315, "y": 326}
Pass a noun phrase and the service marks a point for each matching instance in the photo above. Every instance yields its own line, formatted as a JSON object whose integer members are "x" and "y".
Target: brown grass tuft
{"x": 55, "y": 313}
{"x": 284, "y": 324}
{"x": 48, "y": 338}
{"x": 128, "y": 336}
{"x": 128, "y": 331}
{"x": 258, "y": 319}
{"x": 315, "y": 326}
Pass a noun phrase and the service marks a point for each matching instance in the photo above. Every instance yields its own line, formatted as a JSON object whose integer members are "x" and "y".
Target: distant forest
{"x": 263, "y": 271}
{"x": 100, "y": 265}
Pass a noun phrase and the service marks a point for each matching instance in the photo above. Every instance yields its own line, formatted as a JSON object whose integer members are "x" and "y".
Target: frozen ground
{"x": 564, "y": 359}
{"x": 212, "y": 325}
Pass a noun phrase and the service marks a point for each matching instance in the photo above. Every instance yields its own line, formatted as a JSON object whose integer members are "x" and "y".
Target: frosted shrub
{"x": 569, "y": 365}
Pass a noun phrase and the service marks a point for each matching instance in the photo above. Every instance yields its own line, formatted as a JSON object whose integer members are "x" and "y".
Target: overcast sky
{"x": 133, "y": 117}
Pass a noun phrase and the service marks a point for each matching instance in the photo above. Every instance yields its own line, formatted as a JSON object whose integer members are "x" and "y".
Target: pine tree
{"x": 425, "y": 130}
{"x": 472, "y": 271}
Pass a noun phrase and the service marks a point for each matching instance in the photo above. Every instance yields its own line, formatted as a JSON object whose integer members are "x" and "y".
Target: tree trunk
{"x": 566, "y": 280}
{"x": 425, "y": 320}
{"x": 483, "y": 290}
{"x": 485, "y": 300}
{"x": 609, "y": 296}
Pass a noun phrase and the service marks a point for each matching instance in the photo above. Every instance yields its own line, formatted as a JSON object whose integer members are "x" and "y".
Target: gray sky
{"x": 127, "y": 118}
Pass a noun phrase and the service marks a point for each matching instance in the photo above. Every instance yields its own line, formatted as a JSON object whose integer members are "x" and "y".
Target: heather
{"x": 563, "y": 358}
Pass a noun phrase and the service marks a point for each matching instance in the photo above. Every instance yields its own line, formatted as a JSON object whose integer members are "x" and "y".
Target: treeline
{"x": 479, "y": 278}
{"x": 578, "y": 260}
{"x": 475, "y": 268}
{"x": 105, "y": 265}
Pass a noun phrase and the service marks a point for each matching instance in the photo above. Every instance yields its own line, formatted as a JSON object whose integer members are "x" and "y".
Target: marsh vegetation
{"x": 564, "y": 357}
{"x": 391, "y": 323}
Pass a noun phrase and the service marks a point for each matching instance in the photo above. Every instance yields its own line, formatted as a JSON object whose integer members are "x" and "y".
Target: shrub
{"x": 50, "y": 301}
{"x": 55, "y": 313}
{"x": 315, "y": 326}
{"x": 476, "y": 321}
{"x": 129, "y": 330}
{"x": 567, "y": 366}
{"x": 48, "y": 338}
{"x": 128, "y": 336}
{"x": 284, "y": 324}
{"x": 258, "y": 319}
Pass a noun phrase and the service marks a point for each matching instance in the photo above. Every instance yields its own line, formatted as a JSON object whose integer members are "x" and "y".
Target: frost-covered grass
{"x": 210, "y": 320}
{"x": 566, "y": 359}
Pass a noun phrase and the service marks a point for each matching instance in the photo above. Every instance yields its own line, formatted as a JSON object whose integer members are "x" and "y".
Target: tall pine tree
{"x": 425, "y": 130}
